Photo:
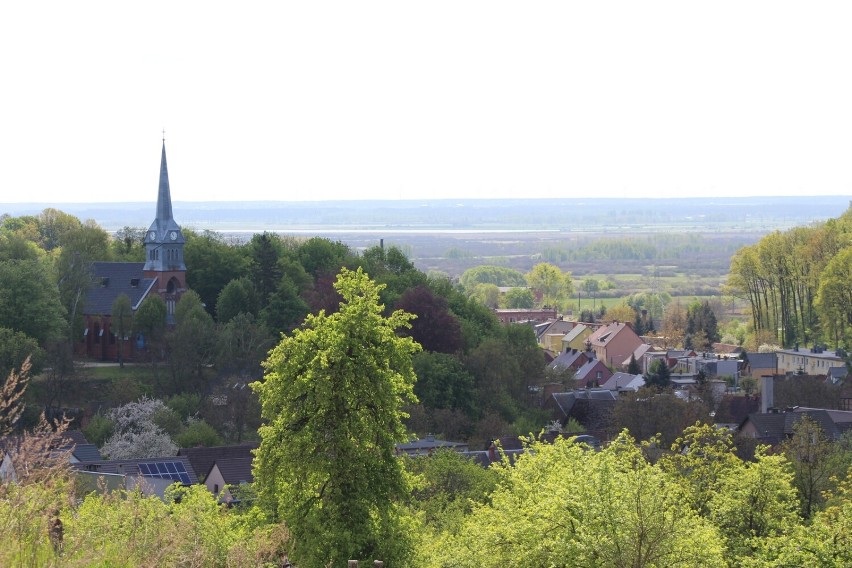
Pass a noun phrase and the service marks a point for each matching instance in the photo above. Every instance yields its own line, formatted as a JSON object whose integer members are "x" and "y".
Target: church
{"x": 163, "y": 273}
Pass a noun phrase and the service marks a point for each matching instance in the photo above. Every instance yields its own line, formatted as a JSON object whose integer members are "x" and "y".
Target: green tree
{"x": 699, "y": 460}
{"x": 834, "y": 300}
{"x": 128, "y": 244}
{"x": 192, "y": 342}
{"x": 332, "y": 399}
{"x": 562, "y": 505}
{"x": 519, "y": 298}
{"x": 550, "y": 284}
{"x": 265, "y": 250}
{"x": 122, "y": 323}
{"x": 242, "y": 344}
{"x": 809, "y": 453}
{"x": 54, "y": 226}
{"x": 319, "y": 255}
{"x": 590, "y": 286}
{"x": 633, "y": 368}
{"x": 237, "y": 297}
{"x": 658, "y": 374}
{"x": 826, "y": 542}
{"x": 448, "y": 485}
{"x": 150, "y": 323}
{"x": 17, "y": 347}
{"x": 442, "y": 381}
{"x": 702, "y": 329}
{"x": 29, "y": 301}
{"x": 486, "y": 294}
{"x": 487, "y": 274}
{"x": 211, "y": 263}
{"x": 755, "y": 500}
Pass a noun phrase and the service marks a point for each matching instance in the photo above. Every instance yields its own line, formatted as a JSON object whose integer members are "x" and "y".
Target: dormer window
{"x": 134, "y": 282}
{"x": 104, "y": 282}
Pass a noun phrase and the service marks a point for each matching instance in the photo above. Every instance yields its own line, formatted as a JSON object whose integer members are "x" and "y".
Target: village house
{"x": 814, "y": 361}
{"x": 614, "y": 343}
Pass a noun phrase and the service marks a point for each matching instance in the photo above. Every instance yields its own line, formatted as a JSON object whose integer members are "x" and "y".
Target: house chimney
{"x": 492, "y": 453}
{"x": 767, "y": 395}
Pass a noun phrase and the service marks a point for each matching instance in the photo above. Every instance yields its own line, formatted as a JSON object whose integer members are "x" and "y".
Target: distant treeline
{"x": 576, "y": 214}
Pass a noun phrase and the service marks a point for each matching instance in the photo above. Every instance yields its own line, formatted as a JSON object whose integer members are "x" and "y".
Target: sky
{"x": 317, "y": 100}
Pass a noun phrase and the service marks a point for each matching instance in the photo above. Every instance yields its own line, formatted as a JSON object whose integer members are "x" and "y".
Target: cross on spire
{"x": 164, "y": 134}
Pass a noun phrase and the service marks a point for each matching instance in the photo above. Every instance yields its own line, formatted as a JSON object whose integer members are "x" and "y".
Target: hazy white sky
{"x": 445, "y": 99}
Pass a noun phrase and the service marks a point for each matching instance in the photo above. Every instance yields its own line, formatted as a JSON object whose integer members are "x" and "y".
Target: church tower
{"x": 164, "y": 247}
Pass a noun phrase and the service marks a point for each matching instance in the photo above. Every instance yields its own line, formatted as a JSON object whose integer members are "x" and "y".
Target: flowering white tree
{"x": 135, "y": 434}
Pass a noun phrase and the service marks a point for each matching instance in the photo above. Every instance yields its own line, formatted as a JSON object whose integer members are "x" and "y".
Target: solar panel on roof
{"x": 165, "y": 470}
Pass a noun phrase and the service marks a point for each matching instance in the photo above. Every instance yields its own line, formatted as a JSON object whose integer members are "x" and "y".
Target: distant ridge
{"x": 562, "y": 214}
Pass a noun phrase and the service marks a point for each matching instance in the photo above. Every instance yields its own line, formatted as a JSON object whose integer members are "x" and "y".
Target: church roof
{"x": 111, "y": 279}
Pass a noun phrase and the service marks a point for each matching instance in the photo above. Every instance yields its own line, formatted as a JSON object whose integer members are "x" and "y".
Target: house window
{"x": 215, "y": 488}
{"x": 599, "y": 375}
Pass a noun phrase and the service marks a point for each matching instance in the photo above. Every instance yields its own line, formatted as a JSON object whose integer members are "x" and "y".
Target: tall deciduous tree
{"x": 332, "y": 399}
{"x": 550, "y": 283}
{"x": 122, "y": 323}
{"x": 519, "y": 298}
{"x": 486, "y": 274}
{"x": 29, "y": 302}
{"x": 809, "y": 453}
{"x": 562, "y": 505}
{"x": 17, "y": 347}
{"x": 192, "y": 342}
{"x": 135, "y": 434}
{"x": 239, "y": 296}
{"x": 150, "y": 323}
{"x": 591, "y": 287}
{"x": 834, "y": 300}
{"x": 434, "y": 328}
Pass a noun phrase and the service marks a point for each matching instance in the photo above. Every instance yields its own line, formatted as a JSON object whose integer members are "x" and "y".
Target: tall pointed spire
{"x": 164, "y": 240}
{"x": 164, "y": 196}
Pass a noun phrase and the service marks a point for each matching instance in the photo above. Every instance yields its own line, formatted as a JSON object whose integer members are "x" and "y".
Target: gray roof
{"x": 202, "y": 459}
{"x": 234, "y": 470}
{"x": 836, "y": 374}
{"x": 762, "y": 360}
{"x": 87, "y": 453}
{"x": 568, "y": 359}
{"x": 774, "y": 427}
{"x": 131, "y": 467}
{"x": 427, "y": 443}
{"x": 621, "y": 380}
{"x": 566, "y": 400}
{"x": 575, "y": 332}
{"x": 558, "y": 327}
{"x": 111, "y": 279}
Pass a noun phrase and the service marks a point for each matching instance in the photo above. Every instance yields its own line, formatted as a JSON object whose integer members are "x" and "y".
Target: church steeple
{"x": 164, "y": 241}
{"x": 164, "y": 196}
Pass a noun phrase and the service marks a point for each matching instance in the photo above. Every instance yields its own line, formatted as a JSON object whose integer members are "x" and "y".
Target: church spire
{"x": 164, "y": 196}
{"x": 164, "y": 240}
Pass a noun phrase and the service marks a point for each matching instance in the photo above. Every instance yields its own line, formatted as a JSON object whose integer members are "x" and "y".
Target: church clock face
{"x": 173, "y": 235}
{"x": 152, "y": 235}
